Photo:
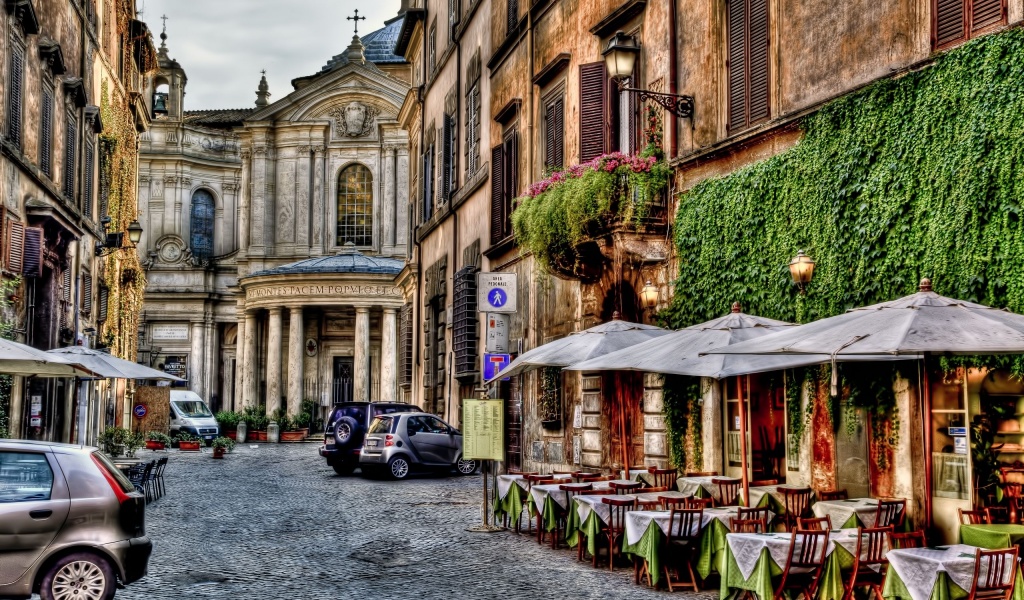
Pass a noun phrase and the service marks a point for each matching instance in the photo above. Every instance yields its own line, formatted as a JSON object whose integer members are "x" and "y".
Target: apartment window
{"x": 955, "y": 21}
{"x": 88, "y": 180}
{"x": 15, "y": 91}
{"x": 747, "y": 63}
{"x": 449, "y": 147}
{"x": 512, "y": 17}
{"x": 85, "y": 299}
{"x": 453, "y": 18}
{"x": 201, "y": 215}
{"x": 355, "y": 206}
{"x": 504, "y": 167}
{"x": 464, "y": 321}
{"x": 46, "y": 131}
{"x": 70, "y": 155}
{"x": 598, "y": 104}
{"x": 473, "y": 116}
{"x": 428, "y": 174}
{"x": 405, "y": 338}
{"x": 431, "y": 50}
{"x": 554, "y": 132}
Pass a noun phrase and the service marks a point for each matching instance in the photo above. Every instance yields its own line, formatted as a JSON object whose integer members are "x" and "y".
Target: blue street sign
{"x": 140, "y": 410}
{"x": 497, "y": 298}
{"x": 494, "y": 364}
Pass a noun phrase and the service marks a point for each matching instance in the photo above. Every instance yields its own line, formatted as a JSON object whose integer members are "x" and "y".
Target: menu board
{"x": 483, "y": 429}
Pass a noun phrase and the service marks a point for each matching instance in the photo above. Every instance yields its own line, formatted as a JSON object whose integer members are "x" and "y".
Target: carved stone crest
{"x": 355, "y": 119}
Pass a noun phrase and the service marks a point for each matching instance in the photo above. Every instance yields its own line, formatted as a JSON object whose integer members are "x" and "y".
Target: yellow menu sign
{"x": 483, "y": 429}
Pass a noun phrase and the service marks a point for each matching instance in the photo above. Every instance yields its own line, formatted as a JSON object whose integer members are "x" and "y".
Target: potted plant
{"x": 221, "y": 446}
{"x": 256, "y": 420}
{"x": 113, "y": 441}
{"x": 228, "y": 422}
{"x": 157, "y": 440}
{"x": 292, "y": 430}
{"x": 188, "y": 442}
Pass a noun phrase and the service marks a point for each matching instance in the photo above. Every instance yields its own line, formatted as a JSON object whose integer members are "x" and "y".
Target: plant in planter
{"x": 221, "y": 446}
{"x": 228, "y": 422}
{"x": 312, "y": 408}
{"x": 157, "y": 440}
{"x": 114, "y": 440}
{"x": 188, "y": 442}
{"x": 294, "y": 432}
{"x": 256, "y": 420}
{"x": 549, "y": 406}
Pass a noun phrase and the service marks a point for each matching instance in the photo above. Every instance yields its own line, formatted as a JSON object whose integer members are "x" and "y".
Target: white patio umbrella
{"x": 24, "y": 360}
{"x": 109, "y": 367}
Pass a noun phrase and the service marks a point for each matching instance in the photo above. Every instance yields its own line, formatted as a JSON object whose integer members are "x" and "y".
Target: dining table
{"x": 511, "y": 494}
{"x": 699, "y": 486}
{"x": 854, "y": 512}
{"x": 586, "y": 515}
{"x": 770, "y": 496}
{"x": 553, "y": 499}
{"x": 939, "y": 573}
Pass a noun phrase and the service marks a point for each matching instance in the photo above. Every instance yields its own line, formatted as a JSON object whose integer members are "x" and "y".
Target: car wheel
{"x": 344, "y": 430}
{"x": 398, "y": 467}
{"x": 344, "y": 468}
{"x": 81, "y": 576}
{"x": 465, "y": 466}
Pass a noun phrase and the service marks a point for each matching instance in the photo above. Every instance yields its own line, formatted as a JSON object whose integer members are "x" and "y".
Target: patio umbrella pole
{"x": 743, "y": 441}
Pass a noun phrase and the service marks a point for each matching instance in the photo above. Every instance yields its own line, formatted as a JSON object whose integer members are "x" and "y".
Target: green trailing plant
{"x": 133, "y": 442}
{"x": 255, "y": 418}
{"x": 158, "y": 436}
{"x": 683, "y": 422}
{"x": 910, "y": 177}
{"x": 187, "y": 437}
{"x": 550, "y": 401}
{"x": 227, "y": 420}
{"x": 301, "y": 420}
{"x": 284, "y": 422}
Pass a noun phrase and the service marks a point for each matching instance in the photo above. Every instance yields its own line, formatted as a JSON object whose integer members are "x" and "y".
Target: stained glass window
{"x": 201, "y": 228}
{"x": 355, "y": 206}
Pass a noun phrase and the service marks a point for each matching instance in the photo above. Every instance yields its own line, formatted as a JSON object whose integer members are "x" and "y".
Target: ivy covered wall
{"x": 917, "y": 176}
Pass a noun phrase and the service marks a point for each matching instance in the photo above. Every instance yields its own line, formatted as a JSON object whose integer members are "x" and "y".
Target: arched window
{"x": 355, "y": 206}
{"x": 201, "y": 228}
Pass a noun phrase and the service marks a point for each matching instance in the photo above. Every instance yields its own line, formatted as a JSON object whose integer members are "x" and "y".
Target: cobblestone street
{"x": 276, "y": 522}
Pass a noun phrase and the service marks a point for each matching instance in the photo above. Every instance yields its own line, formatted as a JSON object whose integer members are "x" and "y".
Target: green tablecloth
{"x": 991, "y": 537}
{"x": 589, "y": 528}
{"x": 511, "y": 505}
{"x": 760, "y": 581}
{"x": 944, "y": 588}
{"x": 652, "y": 545}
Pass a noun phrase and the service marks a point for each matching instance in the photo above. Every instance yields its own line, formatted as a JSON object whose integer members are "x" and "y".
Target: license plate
{"x": 208, "y": 437}
{"x": 371, "y": 442}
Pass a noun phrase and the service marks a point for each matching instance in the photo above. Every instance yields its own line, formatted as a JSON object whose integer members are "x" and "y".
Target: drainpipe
{"x": 418, "y": 306}
{"x": 455, "y": 217}
{"x": 673, "y": 74}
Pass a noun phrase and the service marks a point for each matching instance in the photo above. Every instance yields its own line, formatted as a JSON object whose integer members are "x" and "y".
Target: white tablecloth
{"x": 656, "y": 496}
{"x": 505, "y": 482}
{"x": 746, "y": 547}
{"x": 555, "y": 491}
{"x": 690, "y": 485}
{"x": 756, "y": 493}
{"x": 918, "y": 568}
{"x": 726, "y": 513}
{"x": 840, "y": 511}
{"x": 641, "y": 475}
{"x": 586, "y": 504}
{"x": 638, "y": 521}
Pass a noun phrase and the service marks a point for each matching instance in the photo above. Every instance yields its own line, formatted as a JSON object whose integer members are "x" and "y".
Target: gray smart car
{"x": 398, "y": 443}
{"x": 71, "y": 525}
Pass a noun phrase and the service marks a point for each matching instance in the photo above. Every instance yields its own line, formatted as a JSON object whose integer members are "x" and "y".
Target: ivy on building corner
{"x": 684, "y": 422}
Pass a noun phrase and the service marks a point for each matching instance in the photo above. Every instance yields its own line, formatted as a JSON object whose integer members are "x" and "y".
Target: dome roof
{"x": 378, "y": 46}
{"x": 349, "y": 260}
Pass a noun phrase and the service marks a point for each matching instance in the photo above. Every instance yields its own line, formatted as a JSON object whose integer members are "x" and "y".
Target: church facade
{"x": 277, "y": 236}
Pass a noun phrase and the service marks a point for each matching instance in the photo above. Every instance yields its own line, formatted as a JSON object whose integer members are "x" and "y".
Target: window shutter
{"x": 46, "y": 134}
{"x": 405, "y": 343}
{"x": 511, "y": 173}
{"x": 987, "y": 12}
{"x": 428, "y": 183}
{"x": 106, "y": 150}
{"x": 32, "y": 255}
{"x": 447, "y": 157}
{"x": 632, "y": 116}
{"x": 950, "y": 21}
{"x": 90, "y": 168}
{"x": 101, "y": 313}
{"x": 14, "y": 94}
{"x": 497, "y": 194}
{"x": 65, "y": 285}
{"x": 16, "y": 246}
{"x": 554, "y": 134}
{"x": 512, "y": 17}
{"x": 758, "y": 99}
{"x": 70, "y": 152}
{"x": 593, "y": 110}
{"x": 86, "y": 297}
{"x": 464, "y": 328}
{"x": 737, "y": 64}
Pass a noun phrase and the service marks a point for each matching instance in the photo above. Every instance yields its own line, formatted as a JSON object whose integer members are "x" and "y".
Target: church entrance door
{"x": 343, "y": 382}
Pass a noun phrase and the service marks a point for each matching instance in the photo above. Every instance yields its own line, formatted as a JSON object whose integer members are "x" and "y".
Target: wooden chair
{"x": 728, "y": 490}
{"x": 869, "y": 562}
{"x": 909, "y": 539}
{"x": 665, "y": 477}
{"x": 702, "y": 474}
{"x": 571, "y": 491}
{"x": 583, "y": 536}
{"x": 1015, "y": 508}
{"x": 760, "y": 514}
{"x": 684, "y": 529}
{"x": 804, "y": 562}
{"x": 615, "y": 528}
{"x": 747, "y": 525}
{"x": 652, "y": 504}
{"x": 578, "y": 476}
{"x": 997, "y": 514}
{"x": 833, "y": 495}
{"x": 763, "y": 482}
{"x": 595, "y": 478}
{"x": 695, "y": 502}
{"x": 815, "y": 523}
{"x": 994, "y": 574}
{"x": 797, "y": 503}
{"x": 972, "y": 517}
{"x": 625, "y": 488}
{"x": 890, "y": 513}
{"x": 670, "y": 502}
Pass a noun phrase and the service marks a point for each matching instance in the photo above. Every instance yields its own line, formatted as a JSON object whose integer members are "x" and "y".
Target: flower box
{"x": 219, "y": 452}
{"x": 293, "y": 436}
{"x": 258, "y": 436}
{"x": 154, "y": 445}
{"x": 188, "y": 446}
{"x": 233, "y": 434}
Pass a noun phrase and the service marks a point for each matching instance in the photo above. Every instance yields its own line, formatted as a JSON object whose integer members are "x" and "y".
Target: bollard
{"x": 273, "y": 433}
{"x": 240, "y": 432}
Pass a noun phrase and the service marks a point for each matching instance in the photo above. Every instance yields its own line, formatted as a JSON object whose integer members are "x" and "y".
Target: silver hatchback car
{"x": 71, "y": 524}
{"x": 400, "y": 442}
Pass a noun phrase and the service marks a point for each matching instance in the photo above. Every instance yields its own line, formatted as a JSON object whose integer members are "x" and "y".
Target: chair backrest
{"x": 807, "y": 549}
{"x": 763, "y": 482}
{"x": 872, "y": 546}
{"x": 997, "y": 514}
{"x": 604, "y": 492}
{"x": 972, "y": 517}
{"x": 670, "y": 502}
{"x": 523, "y": 473}
{"x": 833, "y": 495}
{"x": 797, "y": 501}
{"x": 665, "y": 477}
{"x": 702, "y": 473}
{"x": 1012, "y": 489}
{"x": 651, "y": 490}
{"x": 747, "y": 525}
{"x": 890, "y": 513}
{"x": 642, "y": 468}
{"x": 909, "y": 539}
{"x": 728, "y": 490}
{"x": 580, "y": 475}
{"x": 547, "y": 481}
{"x": 617, "y": 514}
{"x": 695, "y": 502}
{"x": 625, "y": 487}
{"x": 147, "y": 471}
{"x": 994, "y": 571}
{"x": 571, "y": 491}
{"x": 815, "y": 523}
{"x": 594, "y": 478}
{"x": 761, "y": 514}
{"x": 685, "y": 523}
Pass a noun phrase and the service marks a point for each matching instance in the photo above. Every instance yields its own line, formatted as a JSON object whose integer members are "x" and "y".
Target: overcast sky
{"x": 223, "y": 44}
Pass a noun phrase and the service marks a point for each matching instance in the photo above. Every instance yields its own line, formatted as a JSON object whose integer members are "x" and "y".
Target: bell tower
{"x": 165, "y": 89}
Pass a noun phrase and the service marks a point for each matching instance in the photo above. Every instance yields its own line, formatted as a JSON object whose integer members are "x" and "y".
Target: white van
{"x": 190, "y": 414}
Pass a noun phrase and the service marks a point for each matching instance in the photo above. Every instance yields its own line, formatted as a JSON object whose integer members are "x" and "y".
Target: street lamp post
{"x": 649, "y": 296}
{"x": 801, "y": 269}
{"x": 620, "y": 58}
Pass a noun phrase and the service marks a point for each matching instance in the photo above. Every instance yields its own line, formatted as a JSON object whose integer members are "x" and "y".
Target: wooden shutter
{"x": 90, "y": 168}
{"x": 85, "y": 299}
{"x": 32, "y": 255}
{"x": 554, "y": 134}
{"x": 446, "y": 159}
{"x": 748, "y": 65}
{"x": 65, "y": 284}
{"x": 70, "y": 155}
{"x": 405, "y": 339}
{"x": 950, "y": 21}
{"x": 16, "y": 246}
{"x": 106, "y": 152}
{"x": 497, "y": 194}
{"x": 510, "y": 171}
{"x": 46, "y": 134}
{"x": 101, "y": 313}
{"x": 758, "y": 86}
{"x": 428, "y": 183}
{"x": 737, "y": 64}
{"x": 593, "y": 110}
{"x": 14, "y": 94}
{"x": 987, "y": 12}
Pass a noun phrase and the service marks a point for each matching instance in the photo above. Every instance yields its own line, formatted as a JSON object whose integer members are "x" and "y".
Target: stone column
{"x": 274, "y": 360}
{"x": 388, "y": 203}
{"x": 317, "y": 242}
{"x": 248, "y": 365}
{"x": 239, "y": 388}
{"x": 296, "y": 345}
{"x": 361, "y": 384}
{"x": 197, "y": 360}
{"x": 389, "y": 355}
{"x": 244, "y": 202}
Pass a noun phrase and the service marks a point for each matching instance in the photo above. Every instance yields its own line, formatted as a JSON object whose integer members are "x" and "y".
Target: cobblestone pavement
{"x": 276, "y": 522}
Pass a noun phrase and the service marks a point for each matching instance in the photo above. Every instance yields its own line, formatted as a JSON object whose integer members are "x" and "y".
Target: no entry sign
{"x": 139, "y": 411}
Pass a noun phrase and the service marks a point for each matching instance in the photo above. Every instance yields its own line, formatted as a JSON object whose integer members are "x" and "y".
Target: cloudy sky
{"x": 223, "y": 44}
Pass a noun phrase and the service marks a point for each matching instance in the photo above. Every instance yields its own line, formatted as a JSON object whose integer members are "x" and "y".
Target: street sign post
{"x": 496, "y": 292}
{"x": 494, "y": 363}
{"x": 483, "y": 439}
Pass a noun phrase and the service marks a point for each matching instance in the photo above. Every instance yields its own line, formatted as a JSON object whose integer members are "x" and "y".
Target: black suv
{"x": 343, "y": 435}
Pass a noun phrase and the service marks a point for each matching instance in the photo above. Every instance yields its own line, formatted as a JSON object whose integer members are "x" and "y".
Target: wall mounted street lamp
{"x": 649, "y": 295}
{"x": 112, "y": 241}
{"x": 801, "y": 269}
{"x": 620, "y": 58}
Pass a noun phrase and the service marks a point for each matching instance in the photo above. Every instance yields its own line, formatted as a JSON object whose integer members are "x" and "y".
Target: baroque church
{"x": 276, "y": 236}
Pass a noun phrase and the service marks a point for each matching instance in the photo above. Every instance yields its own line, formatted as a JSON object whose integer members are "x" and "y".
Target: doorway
{"x": 622, "y": 392}
{"x": 342, "y": 382}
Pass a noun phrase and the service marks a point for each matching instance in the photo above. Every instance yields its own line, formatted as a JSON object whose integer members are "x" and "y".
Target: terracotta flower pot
{"x": 259, "y": 436}
{"x": 293, "y": 436}
{"x": 188, "y": 446}
{"x": 219, "y": 452}
{"x": 231, "y": 435}
{"x": 155, "y": 445}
